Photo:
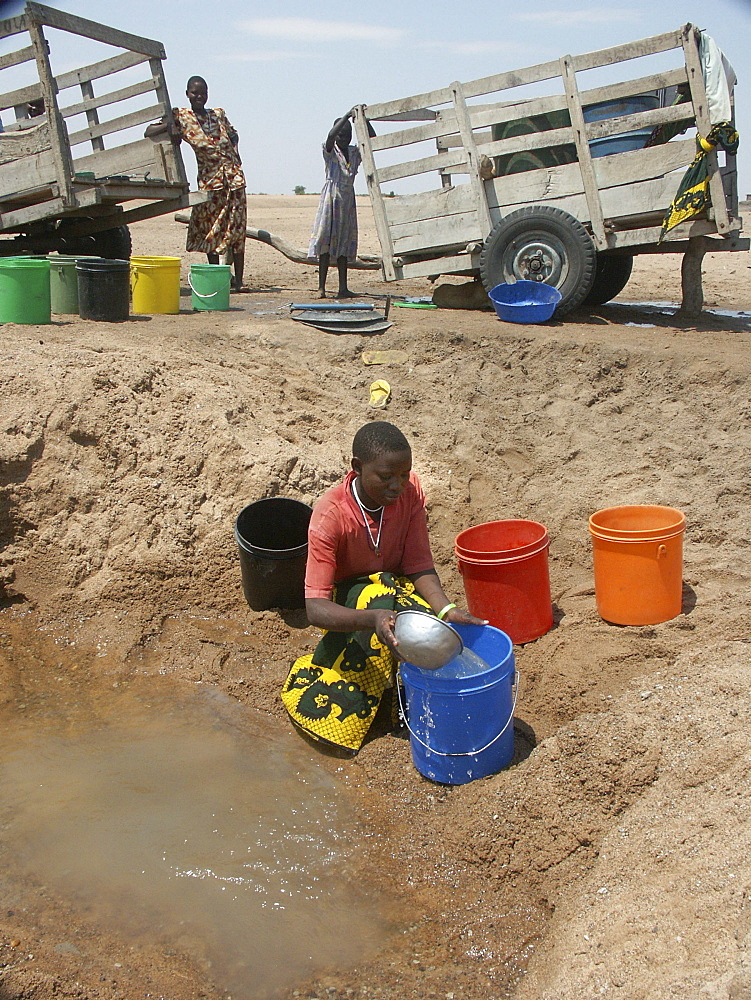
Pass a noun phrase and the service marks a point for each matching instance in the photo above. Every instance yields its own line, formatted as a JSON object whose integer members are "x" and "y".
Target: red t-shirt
{"x": 339, "y": 545}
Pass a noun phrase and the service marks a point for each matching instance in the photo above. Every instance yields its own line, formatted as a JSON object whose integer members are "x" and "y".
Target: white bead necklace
{"x": 375, "y": 542}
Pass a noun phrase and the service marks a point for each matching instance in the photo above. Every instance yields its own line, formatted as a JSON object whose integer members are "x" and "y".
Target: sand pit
{"x": 612, "y": 858}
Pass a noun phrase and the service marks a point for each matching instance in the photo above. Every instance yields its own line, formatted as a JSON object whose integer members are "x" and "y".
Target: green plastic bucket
{"x": 25, "y": 290}
{"x": 209, "y": 286}
{"x": 64, "y": 283}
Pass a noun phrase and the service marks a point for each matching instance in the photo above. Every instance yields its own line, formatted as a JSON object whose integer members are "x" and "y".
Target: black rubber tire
{"x": 114, "y": 244}
{"x": 611, "y": 276}
{"x": 540, "y": 242}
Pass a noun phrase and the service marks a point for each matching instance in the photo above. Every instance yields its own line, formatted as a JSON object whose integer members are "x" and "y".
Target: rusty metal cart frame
{"x": 53, "y": 193}
{"x": 573, "y": 220}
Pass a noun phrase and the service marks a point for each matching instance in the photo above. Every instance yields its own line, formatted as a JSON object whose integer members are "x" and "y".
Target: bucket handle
{"x": 461, "y": 753}
{"x": 210, "y": 295}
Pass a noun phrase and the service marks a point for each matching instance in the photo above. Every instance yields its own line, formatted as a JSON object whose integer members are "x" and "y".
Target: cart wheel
{"x": 541, "y": 243}
{"x": 611, "y": 276}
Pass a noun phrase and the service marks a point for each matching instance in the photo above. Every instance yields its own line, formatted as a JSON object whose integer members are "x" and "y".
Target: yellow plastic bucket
{"x": 155, "y": 285}
{"x": 638, "y": 563}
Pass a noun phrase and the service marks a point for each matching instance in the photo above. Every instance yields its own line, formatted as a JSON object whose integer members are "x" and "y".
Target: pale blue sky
{"x": 284, "y": 71}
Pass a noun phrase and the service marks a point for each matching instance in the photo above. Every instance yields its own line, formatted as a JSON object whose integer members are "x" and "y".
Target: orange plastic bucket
{"x": 638, "y": 562}
{"x": 504, "y": 566}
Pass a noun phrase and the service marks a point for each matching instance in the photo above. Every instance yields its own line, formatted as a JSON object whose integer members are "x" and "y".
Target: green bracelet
{"x": 443, "y": 611}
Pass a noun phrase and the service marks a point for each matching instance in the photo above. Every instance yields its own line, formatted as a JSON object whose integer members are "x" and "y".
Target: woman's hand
{"x": 384, "y": 628}
{"x": 461, "y": 617}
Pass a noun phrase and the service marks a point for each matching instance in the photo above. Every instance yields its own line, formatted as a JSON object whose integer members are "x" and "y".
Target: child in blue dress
{"x": 335, "y": 227}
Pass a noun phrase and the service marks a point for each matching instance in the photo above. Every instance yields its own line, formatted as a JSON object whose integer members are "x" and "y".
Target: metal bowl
{"x": 426, "y": 641}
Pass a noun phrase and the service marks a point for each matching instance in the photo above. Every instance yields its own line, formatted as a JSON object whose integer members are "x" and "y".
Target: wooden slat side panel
{"x": 92, "y": 29}
{"x": 141, "y": 117}
{"x": 21, "y": 96}
{"x": 429, "y": 204}
{"x": 97, "y": 70}
{"x": 531, "y": 74}
{"x": 441, "y": 161}
{"x": 114, "y": 97}
{"x": 551, "y": 183}
{"x": 453, "y": 230}
{"x": 421, "y": 133}
{"x": 13, "y": 26}
{"x": 631, "y": 50}
{"x": 17, "y": 57}
{"x": 24, "y": 172}
{"x": 132, "y": 158}
{"x": 441, "y": 265}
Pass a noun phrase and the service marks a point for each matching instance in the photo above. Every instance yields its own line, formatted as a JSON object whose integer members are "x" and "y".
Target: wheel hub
{"x": 535, "y": 261}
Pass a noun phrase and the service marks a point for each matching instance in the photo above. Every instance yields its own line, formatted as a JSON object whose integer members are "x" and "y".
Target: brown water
{"x": 169, "y": 814}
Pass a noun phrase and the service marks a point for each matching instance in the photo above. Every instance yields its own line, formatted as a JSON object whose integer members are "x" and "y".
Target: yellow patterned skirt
{"x": 333, "y": 694}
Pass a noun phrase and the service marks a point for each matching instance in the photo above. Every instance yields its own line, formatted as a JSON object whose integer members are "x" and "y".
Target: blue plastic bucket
{"x": 462, "y": 728}
{"x": 627, "y": 141}
{"x": 524, "y": 301}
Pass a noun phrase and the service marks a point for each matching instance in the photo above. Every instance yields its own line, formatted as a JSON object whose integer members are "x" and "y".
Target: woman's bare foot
{"x": 346, "y": 294}
{"x": 321, "y": 293}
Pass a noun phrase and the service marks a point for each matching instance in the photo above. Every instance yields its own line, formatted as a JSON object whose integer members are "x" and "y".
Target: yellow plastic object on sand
{"x": 380, "y": 391}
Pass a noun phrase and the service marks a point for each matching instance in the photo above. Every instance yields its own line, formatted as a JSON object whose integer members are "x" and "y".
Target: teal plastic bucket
{"x": 462, "y": 727}
{"x": 25, "y": 290}
{"x": 64, "y": 283}
{"x": 209, "y": 287}
{"x": 637, "y": 139}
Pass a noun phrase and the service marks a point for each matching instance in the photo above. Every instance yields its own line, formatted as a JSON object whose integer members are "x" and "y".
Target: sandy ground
{"x": 613, "y": 858}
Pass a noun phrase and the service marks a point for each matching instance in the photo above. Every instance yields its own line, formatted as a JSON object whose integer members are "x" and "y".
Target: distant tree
{"x": 299, "y": 189}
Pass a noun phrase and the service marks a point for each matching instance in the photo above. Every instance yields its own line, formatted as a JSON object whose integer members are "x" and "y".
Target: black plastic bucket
{"x": 103, "y": 289}
{"x": 272, "y": 536}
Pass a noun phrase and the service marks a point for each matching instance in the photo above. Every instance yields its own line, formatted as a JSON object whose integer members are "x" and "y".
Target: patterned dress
{"x": 335, "y": 227}
{"x": 219, "y": 224}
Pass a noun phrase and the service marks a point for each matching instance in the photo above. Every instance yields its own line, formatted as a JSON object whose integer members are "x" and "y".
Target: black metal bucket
{"x": 272, "y": 538}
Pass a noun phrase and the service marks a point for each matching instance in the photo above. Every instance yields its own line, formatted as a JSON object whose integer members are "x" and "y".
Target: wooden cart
{"x": 575, "y": 195}
{"x": 64, "y": 188}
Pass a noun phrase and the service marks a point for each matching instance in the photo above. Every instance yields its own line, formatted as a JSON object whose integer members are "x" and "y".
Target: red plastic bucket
{"x": 504, "y": 565}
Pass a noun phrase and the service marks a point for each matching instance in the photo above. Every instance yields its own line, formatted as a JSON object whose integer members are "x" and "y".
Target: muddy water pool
{"x": 168, "y": 813}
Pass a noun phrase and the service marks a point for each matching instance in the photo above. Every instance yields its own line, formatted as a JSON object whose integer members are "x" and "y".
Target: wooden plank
{"x": 630, "y": 50}
{"x": 27, "y": 172}
{"x": 374, "y": 182}
{"x": 538, "y": 186}
{"x": 60, "y": 148}
{"x": 11, "y": 221}
{"x": 583, "y": 152}
{"x": 449, "y": 231}
{"x": 704, "y": 125}
{"x": 132, "y": 157}
{"x": 17, "y": 57}
{"x": 13, "y": 26}
{"x": 440, "y": 265}
{"x": 140, "y": 117}
{"x": 439, "y": 161}
{"x": 95, "y": 71}
{"x": 91, "y": 103}
{"x": 21, "y": 96}
{"x": 429, "y": 204}
{"x": 641, "y": 119}
{"x": 632, "y": 88}
{"x": 444, "y": 125}
{"x": 40, "y": 14}
{"x": 475, "y": 88}
{"x": 92, "y": 116}
{"x": 420, "y": 115}
{"x": 115, "y": 192}
{"x": 169, "y": 153}
{"x": 473, "y": 160}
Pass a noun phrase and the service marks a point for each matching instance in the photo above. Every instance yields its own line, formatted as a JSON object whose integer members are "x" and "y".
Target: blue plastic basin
{"x": 626, "y": 141}
{"x": 524, "y": 301}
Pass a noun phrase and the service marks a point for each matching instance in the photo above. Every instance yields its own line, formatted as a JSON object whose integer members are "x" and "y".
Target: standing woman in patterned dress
{"x": 218, "y": 225}
{"x": 335, "y": 227}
